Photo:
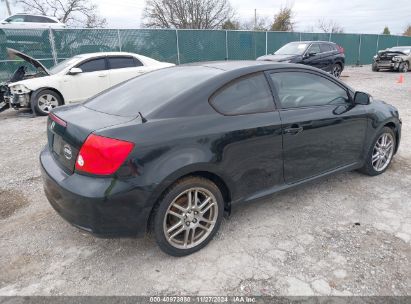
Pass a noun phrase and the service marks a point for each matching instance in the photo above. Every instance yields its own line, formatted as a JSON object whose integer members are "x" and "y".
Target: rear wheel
{"x": 381, "y": 153}
{"x": 336, "y": 70}
{"x": 188, "y": 216}
{"x": 374, "y": 68}
{"x": 45, "y": 101}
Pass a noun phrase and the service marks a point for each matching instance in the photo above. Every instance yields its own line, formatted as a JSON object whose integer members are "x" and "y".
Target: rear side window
{"x": 325, "y": 48}
{"x": 150, "y": 91}
{"x": 121, "y": 62}
{"x": 17, "y": 18}
{"x": 93, "y": 65}
{"x": 299, "y": 89}
{"x": 250, "y": 94}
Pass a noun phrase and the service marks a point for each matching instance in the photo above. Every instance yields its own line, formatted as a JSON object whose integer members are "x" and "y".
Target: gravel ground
{"x": 345, "y": 235}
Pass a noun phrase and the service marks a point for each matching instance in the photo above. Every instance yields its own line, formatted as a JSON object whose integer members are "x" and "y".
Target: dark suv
{"x": 324, "y": 55}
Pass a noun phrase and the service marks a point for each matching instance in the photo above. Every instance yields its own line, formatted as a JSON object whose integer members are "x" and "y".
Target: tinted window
{"x": 38, "y": 19}
{"x": 121, "y": 62}
{"x": 325, "y": 48}
{"x": 147, "y": 92}
{"x": 249, "y": 94}
{"x": 16, "y": 18}
{"x": 93, "y": 65}
{"x": 298, "y": 89}
{"x": 314, "y": 48}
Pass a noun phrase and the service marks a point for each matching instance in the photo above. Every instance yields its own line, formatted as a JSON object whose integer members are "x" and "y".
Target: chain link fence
{"x": 177, "y": 46}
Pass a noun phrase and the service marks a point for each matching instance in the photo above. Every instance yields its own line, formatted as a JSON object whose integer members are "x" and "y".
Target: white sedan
{"x": 76, "y": 79}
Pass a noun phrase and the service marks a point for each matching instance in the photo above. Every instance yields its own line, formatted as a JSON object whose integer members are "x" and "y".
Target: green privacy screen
{"x": 177, "y": 46}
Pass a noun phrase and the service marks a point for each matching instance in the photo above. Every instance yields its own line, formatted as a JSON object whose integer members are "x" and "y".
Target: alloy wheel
{"x": 336, "y": 70}
{"x": 405, "y": 67}
{"x": 382, "y": 152}
{"x": 190, "y": 218}
{"x": 46, "y": 102}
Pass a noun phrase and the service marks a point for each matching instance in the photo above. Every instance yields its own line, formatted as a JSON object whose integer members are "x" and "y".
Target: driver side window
{"x": 314, "y": 49}
{"x": 300, "y": 89}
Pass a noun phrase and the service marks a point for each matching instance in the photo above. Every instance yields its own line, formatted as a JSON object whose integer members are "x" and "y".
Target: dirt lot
{"x": 346, "y": 235}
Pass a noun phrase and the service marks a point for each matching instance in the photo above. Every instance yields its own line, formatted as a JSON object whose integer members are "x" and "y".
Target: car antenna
{"x": 143, "y": 119}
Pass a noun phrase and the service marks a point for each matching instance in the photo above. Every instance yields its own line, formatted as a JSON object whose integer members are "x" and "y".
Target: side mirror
{"x": 361, "y": 98}
{"x": 75, "y": 71}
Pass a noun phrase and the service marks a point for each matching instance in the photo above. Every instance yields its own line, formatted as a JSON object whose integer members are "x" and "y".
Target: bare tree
{"x": 329, "y": 26}
{"x": 407, "y": 31}
{"x": 283, "y": 20}
{"x": 256, "y": 24}
{"x": 187, "y": 14}
{"x": 72, "y": 12}
{"x": 7, "y": 6}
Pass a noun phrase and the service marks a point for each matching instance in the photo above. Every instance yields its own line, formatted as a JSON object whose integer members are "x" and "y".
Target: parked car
{"x": 324, "y": 55}
{"x": 172, "y": 150}
{"x": 28, "y": 21}
{"x": 76, "y": 79}
{"x": 395, "y": 59}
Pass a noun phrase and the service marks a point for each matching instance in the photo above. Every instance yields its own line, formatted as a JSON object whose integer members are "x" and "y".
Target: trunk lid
{"x": 68, "y": 127}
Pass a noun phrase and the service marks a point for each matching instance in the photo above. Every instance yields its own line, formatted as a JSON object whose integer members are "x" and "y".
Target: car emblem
{"x": 67, "y": 152}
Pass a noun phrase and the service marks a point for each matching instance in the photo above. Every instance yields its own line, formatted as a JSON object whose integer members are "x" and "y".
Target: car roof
{"x": 36, "y": 15}
{"x": 313, "y": 41}
{"x": 231, "y": 65}
{"x": 100, "y": 54}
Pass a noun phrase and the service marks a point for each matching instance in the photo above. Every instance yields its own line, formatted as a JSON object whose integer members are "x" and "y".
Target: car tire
{"x": 181, "y": 228}
{"x": 404, "y": 67}
{"x": 375, "y": 68}
{"x": 380, "y": 150}
{"x": 336, "y": 70}
{"x": 46, "y": 100}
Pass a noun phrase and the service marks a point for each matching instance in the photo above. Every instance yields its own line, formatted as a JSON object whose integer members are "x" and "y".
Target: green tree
{"x": 231, "y": 25}
{"x": 386, "y": 31}
{"x": 283, "y": 20}
{"x": 407, "y": 31}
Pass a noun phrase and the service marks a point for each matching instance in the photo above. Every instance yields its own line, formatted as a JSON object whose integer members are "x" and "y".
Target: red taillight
{"x": 102, "y": 155}
{"x": 57, "y": 120}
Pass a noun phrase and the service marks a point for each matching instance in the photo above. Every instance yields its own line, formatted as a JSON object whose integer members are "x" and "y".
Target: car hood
{"x": 12, "y": 54}
{"x": 391, "y": 53}
{"x": 278, "y": 58}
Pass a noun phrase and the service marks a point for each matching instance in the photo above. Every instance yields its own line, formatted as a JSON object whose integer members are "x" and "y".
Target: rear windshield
{"x": 150, "y": 91}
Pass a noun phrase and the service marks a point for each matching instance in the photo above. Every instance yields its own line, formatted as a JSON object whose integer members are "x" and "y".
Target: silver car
{"x": 396, "y": 59}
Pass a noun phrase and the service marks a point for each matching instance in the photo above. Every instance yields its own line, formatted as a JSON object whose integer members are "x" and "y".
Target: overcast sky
{"x": 356, "y": 16}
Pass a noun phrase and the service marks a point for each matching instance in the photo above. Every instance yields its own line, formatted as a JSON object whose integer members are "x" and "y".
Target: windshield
{"x": 150, "y": 91}
{"x": 64, "y": 64}
{"x": 292, "y": 49}
{"x": 401, "y": 49}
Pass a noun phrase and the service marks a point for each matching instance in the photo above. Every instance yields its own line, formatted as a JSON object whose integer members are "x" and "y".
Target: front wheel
{"x": 404, "y": 67}
{"x": 381, "y": 153}
{"x": 188, "y": 216}
{"x": 45, "y": 101}
{"x": 374, "y": 67}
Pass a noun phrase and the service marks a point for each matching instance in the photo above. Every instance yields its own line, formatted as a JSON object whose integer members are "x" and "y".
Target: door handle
{"x": 102, "y": 75}
{"x": 293, "y": 129}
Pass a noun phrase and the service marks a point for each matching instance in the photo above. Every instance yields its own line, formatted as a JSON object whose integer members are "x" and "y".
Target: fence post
{"x": 266, "y": 42}
{"x": 329, "y": 38}
{"x": 226, "y": 45}
{"x": 178, "y": 48}
{"x": 398, "y": 40}
{"x": 53, "y": 46}
{"x": 378, "y": 41}
{"x": 300, "y": 36}
{"x": 359, "y": 51}
{"x": 119, "y": 39}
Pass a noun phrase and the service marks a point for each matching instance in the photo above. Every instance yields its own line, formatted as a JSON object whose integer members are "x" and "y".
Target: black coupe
{"x": 171, "y": 151}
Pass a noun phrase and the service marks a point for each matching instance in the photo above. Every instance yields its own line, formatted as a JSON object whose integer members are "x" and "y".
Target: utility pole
{"x": 7, "y": 6}
{"x": 255, "y": 18}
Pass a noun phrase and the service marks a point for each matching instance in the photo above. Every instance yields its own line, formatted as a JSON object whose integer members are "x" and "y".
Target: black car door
{"x": 322, "y": 129}
{"x": 328, "y": 54}
{"x": 313, "y": 56}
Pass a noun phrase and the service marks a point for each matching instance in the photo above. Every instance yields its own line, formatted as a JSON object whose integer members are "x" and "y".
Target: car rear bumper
{"x": 103, "y": 206}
